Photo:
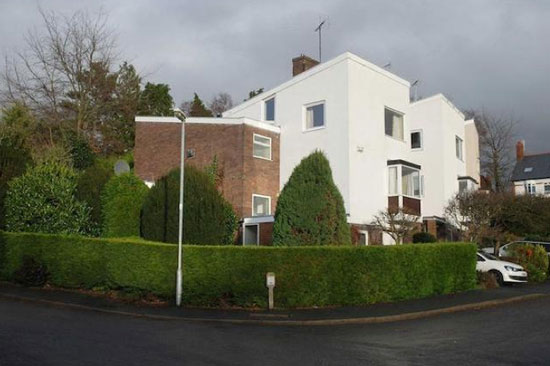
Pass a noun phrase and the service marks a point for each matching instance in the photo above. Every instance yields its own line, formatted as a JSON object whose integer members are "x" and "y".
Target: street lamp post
{"x": 179, "y": 274}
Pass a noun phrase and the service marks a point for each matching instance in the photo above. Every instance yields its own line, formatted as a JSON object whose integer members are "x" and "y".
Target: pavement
{"x": 34, "y": 333}
{"x": 376, "y": 313}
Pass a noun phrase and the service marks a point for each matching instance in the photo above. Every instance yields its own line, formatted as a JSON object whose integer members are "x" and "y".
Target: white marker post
{"x": 270, "y": 283}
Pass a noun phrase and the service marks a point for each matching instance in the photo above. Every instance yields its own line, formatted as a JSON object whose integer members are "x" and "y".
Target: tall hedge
{"x": 121, "y": 199}
{"x": 310, "y": 209}
{"x": 306, "y": 276}
{"x": 43, "y": 200}
{"x": 208, "y": 217}
{"x": 89, "y": 187}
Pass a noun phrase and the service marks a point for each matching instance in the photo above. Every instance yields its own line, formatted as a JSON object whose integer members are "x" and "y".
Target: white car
{"x": 504, "y": 272}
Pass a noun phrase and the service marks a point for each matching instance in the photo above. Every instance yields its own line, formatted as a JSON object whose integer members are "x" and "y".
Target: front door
{"x": 251, "y": 234}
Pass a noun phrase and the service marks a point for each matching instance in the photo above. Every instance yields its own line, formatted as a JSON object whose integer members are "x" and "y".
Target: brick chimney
{"x": 520, "y": 150}
{"x": 302, "y": 63}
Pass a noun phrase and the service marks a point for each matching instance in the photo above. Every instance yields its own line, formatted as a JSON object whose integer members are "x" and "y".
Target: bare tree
{"x": 477, "y": 215}
{"x": 496, "y": 137}
{"x": 53, "y": 75}
{"x": 397, "y": 223}
{"x": 221, "y": 103}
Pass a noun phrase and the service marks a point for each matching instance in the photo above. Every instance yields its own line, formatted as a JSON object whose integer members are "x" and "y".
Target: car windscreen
{"x": 490, "y": 256}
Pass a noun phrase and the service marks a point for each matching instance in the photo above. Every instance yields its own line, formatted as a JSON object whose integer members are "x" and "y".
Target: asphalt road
{"x": 33, "y": 334}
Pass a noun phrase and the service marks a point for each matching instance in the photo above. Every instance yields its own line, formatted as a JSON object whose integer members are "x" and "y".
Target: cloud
{"x": 481, "y": 54}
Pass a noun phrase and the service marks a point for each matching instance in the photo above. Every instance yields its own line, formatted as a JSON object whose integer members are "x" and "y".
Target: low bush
{"x": 306, "y": 276}
{"x": 121, "y": 200}
{"x": 423, "y": 237}
{"x": 533, "y": 258}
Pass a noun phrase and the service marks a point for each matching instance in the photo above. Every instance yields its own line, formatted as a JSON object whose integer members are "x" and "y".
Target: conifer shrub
{"x": 121, "y": 200}
{"x": 208, "y": 217}
{"x": 89, "y": 187}
{"x": 310, "y": 209}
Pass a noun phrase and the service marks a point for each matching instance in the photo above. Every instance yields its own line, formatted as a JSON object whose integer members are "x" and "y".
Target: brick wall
{"x": 157, "y": 151}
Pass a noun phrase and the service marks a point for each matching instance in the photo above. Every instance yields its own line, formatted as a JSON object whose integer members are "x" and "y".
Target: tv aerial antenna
{"x": 415, "y": 89}
{"x": 319, "y": 29}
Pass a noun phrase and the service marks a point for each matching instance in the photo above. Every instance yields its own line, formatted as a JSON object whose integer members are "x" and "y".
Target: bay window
{"x": 405, "y": 180}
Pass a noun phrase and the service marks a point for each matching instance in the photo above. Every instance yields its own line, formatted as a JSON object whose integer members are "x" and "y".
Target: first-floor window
{"x": 547, "y": 188}
{"x": 410, "y": 181}
{"x": 416, "y": 140}
{"x": 393, "y": 123}
{"x": 261, "y": 205}
{"x": 459, "y": 148}
{"x": 392, "y": 181}
{"x": 262, "y": 147}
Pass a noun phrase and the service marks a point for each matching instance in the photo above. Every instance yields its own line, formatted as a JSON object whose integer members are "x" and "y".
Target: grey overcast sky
{"x": 492, "y": 54}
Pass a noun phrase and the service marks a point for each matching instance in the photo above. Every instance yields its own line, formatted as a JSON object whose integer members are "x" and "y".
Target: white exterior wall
{"x": 370, "y": 91}
{"x": 328, "y": 83}
{"x": 440, "y": 123}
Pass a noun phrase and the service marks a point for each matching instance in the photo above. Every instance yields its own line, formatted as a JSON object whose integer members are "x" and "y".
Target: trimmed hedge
{"x": 121, "y": 201}
{"x": 306, "y": 276}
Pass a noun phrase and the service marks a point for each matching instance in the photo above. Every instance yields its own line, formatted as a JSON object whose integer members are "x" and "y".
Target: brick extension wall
{"x": 157, "y": 151}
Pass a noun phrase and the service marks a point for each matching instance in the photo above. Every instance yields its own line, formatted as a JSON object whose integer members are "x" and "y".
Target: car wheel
{"x": 498, "y": 277}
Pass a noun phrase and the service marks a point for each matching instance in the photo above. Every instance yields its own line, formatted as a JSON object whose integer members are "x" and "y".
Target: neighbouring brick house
{"x": 247, "y": 153}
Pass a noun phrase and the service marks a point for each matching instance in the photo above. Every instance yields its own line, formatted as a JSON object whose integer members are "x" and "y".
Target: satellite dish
{"x": 121, "y": 167}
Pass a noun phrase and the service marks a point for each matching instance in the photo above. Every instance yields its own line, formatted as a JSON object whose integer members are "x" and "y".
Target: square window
{"x": 459, "y": 152}
{"x": 269, "y": 106}
{"x": 315, "y": 116}
{"x": 393, "y": 124}
{"x": 416, "y": 140}
{"x": 410, "y": 182}
{"x": 262, "y": 147}
{"x": 547, "y": 188}
{"x": 531, "y": 188}
{"x": 261, "y": 205}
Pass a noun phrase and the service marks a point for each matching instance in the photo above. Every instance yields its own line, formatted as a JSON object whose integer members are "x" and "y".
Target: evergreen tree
{"x": 310, "y": 209}
{"x": 208, "y": 218}
{"x": 155, "y": 100}
{"x": 198, "y": 108}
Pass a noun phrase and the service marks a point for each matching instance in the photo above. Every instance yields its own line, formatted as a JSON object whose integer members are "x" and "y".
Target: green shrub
{"x": 310, "y": 209}
{"x": 14, "y": 159}
{"x": 423, "y": 237}
{"x": 89, "y": 187}
{"x": 43, "y": 200}
{"x": 533, "y": 258}
{"x": 208, "y": 217}
{"x": 306, "y": 276}
{"x": 121, "y": 199}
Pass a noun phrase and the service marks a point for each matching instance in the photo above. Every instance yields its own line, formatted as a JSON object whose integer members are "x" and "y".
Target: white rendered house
{"x": 360, "y": 115}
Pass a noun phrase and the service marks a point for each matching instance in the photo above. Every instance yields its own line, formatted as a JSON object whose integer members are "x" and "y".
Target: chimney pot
{"x": 520, "y": 150}
{"x": 302, "y": 63}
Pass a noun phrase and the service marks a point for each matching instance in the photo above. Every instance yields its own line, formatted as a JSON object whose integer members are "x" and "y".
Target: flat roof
{"x": 212, "y": 120}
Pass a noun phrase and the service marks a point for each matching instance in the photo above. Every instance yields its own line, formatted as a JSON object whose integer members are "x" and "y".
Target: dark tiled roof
{"x": 539, "y": 167}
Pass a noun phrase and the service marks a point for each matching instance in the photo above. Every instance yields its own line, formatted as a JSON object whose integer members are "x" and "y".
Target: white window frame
{"x": 366, "y": 233}
{"x": 304, "y": 116}
{"x": 254, "y": 195}
{"x": 421, "y": 140}
{"x": 264, "y": 109}
{"x": 399, "y": 171}
{"x": 254, "y": 142}
{"x": 528, "y": 186}
{"x": 461, "y": 150}
{"x": 546, "y": 189}
{"x": 403, "y": 139}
